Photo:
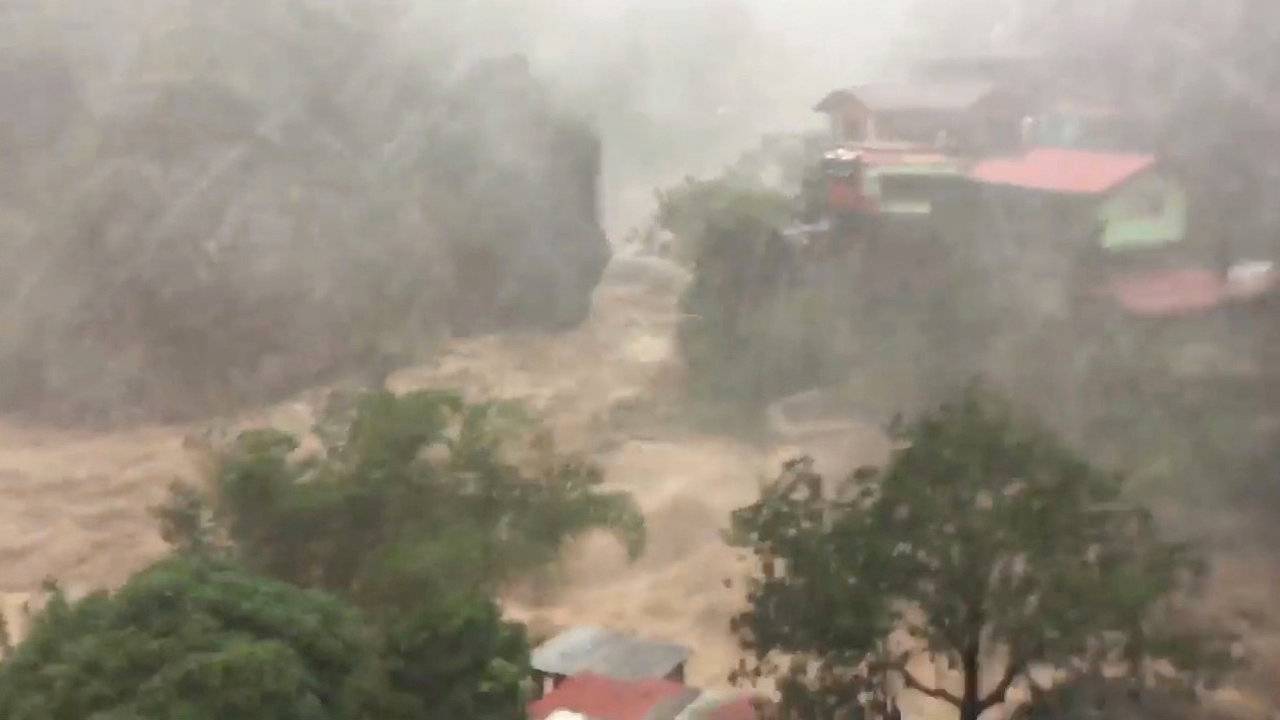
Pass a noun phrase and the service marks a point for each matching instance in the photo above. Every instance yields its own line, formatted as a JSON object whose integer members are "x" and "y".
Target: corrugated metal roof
{"x": 1058, "y": 170}
{"x": 604, "y": 652}
{"x": 603, "y": 698}
{"x": 897, "y": 96}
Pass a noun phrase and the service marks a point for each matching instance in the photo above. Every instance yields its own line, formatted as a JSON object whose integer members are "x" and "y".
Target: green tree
{"x": 989, "y": 543}
{"x": 460, "y": 660}
{"x": 201, "y": 639}
{"x": 1096, "y": 697}
{"x": 756, "y": 326}
{"x": 415, "y": 499}
{"x": 694, "y": 209}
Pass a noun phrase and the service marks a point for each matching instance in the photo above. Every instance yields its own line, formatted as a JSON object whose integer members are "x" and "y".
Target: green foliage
{"x": 768, "y": 315}
{"x": 754, "y": 330}
{"x": 460, "y": 660}
{"x": 1096, "y": 697}
{"x": 198, "y": 640}
{"x": 415, "y": 498}
{"x": 184, "y": 519}
{"x": 695, "y": 211}
{"x": 6, "y": 640}
{"x": 982, "y": 534}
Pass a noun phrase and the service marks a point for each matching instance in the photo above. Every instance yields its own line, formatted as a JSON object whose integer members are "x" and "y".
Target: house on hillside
{"x": 894, "y": 185}
{"x": 1056, "y": 222}
{"x": 605, "y": 653}
{"x": 963, "y": 116}
{"x": 1123, "y": 201}
{"x": 603, "y": 698}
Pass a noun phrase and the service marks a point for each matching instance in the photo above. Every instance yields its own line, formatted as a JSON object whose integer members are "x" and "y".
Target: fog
{"x": 676, "y": 87}
{"x": 214, "y": 213}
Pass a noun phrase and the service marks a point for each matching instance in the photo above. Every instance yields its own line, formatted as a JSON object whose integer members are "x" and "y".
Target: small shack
{"x": 959, "y": 115}
{"x": 606, "y": 653}
{"x": 604, "y": 698}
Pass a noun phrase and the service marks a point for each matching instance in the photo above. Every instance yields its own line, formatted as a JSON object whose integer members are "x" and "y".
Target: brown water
{"x": 75, "y": 505}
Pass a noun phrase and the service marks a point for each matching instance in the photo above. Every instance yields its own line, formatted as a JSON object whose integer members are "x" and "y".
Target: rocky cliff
{"x": 206, "y": 206}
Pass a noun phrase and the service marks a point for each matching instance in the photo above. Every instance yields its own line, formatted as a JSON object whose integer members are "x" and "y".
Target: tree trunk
{"x": 970, "y": 703}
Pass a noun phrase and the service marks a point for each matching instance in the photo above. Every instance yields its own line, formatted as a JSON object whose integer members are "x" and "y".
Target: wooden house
{"x": 964, "y": 116}
{"x": 1124, "y": 201}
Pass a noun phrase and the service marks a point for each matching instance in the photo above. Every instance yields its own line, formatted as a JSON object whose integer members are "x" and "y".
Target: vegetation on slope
{"x": 993, "y": 547}
{"x": 354, "y": 583}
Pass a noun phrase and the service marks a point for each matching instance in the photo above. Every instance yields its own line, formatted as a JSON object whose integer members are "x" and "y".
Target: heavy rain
{"x": 627, "y": 359}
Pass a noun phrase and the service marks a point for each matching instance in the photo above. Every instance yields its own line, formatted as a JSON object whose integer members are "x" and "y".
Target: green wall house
{"x": 1149, "y": 211}
{"x": 1136, "y": 206}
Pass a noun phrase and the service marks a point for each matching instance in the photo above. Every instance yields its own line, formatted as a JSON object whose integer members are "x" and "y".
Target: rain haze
{"x": 663, "y": 359}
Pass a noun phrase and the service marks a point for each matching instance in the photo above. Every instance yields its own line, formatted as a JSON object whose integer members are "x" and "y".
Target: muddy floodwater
{"x": 75, "y": 505}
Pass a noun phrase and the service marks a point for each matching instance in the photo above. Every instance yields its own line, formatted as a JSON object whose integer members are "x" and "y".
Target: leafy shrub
{"x": 199, "y": 639}
{"x": 415, "y": 499}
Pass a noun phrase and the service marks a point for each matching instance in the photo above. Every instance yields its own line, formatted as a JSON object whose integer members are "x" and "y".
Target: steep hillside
{"x": 204, "y": 207}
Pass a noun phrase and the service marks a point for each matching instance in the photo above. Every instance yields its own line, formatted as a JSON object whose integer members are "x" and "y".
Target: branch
{"x": 936, "y": 693}
{"x": 996, "y": 696}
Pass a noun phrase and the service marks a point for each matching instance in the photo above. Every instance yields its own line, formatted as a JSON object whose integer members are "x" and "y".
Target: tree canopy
{"x": 199, "y": 639}
{"x": 755, "y": 327}
{"x": 414, "y": 498}
{"x": 987, "y": 541}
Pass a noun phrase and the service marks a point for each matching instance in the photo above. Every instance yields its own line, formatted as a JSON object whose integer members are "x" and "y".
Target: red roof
{"x": 1056, "y": 170}
{"x": 603, "y": 698}
{"x": 1168, "y": 293}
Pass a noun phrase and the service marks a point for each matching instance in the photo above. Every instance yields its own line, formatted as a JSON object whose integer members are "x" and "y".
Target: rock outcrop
{"x": 251, "y": 202}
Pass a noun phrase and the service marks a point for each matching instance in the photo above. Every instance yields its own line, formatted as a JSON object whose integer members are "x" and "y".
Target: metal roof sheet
{"x": 603, "y": 698}
{"x": 1059, "y": 170}
{"x": 608, "y": 653}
